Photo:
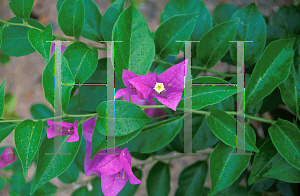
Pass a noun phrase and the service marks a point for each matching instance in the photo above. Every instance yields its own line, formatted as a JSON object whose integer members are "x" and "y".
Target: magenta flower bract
{"x": 7, "y": 157}
{"x": 63, "y": 128}
{"x": 173, "y": 80}
{"x": 137, "y": 85}
{"x": 114, "y": 170}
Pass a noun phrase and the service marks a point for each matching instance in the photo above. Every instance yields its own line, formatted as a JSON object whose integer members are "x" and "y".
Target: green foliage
{"x": 272, "y": 80}
{"x": 136, "y": 51}
{"x": 158, "y": 180}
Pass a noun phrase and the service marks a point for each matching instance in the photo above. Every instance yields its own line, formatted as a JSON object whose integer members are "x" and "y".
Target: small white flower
{"x": 159, "y": 87}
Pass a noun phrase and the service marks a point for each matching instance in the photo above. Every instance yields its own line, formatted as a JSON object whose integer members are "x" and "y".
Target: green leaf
{"x": 260, "y": 186}
{"x": 47, "y": 189}
{"x": 2, "y": 91}
{"x": 51, "y": 165}
{"x": 79, "y": 159}
{"x": 287, "y": 189}
{"x": 192, "y": 178}
{"x": 277, "y": 58}
{"x": 287, "y": 18}
{"x": 224, "y": 167}
{"x": 40, "y": 41}
{"x": 99, "y": 141}
{"x": 82, "y": 61}
{"x": 204, "y": 22}
{"x": 285, "y": 137}
{"x": 156, "y": 136}
{"x": 284, "y": 171}
{"x": 252, "y": 27}
{"x": 97, "y": 190}
{"x": 27, "y": 139}
{"x": 290, "y": 88}
{"x": 202, "y": 136}
{"x": 208, "y": 95}
{"x": 215, "y": 43}
{"x": 17, "y": 181}
{"x": 2, "y": 183}
{"x": 224, "y": 127}
{"x": 92, "y": 19}
{"x": 263, "y": 161}
{"x": 177, "y": 28}
{"x": 82, "y": 191}
{"x": 15, "y": 39}
{"x": 223, "y": 12}
{"x": 89, "y": 97}
{"x": 71, "y": 17}
{"x": 48, "y": 82}
{"x": 130, "y": 189}
{"x": 5, "y": 129}
{"x": 70, "y": 175}
{"x": 137, "y": 50}
{"x": 158, "y": 180}
{"x": 109, "y": 19}
{"x": 40, "y": 111}
{"x": 21, "y": 8}
{"x": 274, "y": 33}
{"x": 125, "y": 122}
{"x": 140, "y": 156}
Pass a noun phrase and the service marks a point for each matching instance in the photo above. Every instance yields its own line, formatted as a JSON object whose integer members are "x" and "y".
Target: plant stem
{"x": 51, "y": 118}
{"x": 208, "y": 113}
{"x": 25, "y": 24}
{"x": 197, "y": 67}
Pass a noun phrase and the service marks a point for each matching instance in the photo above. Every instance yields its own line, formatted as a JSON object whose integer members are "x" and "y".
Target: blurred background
{"x": 24, "y": 74}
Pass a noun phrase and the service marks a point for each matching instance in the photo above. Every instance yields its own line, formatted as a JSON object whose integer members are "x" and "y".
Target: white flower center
{"x": 159, "y": 87}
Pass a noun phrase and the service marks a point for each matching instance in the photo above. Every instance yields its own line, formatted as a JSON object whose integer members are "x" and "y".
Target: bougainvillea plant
{"x": 100, "y": 128}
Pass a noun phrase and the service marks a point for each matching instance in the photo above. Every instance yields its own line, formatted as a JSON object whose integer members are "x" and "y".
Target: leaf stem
{"x": 52, "y": 118}
{"x": 25, "y": 24}
{"x": 197, "y": 67}
{"x": 208, "y": 113}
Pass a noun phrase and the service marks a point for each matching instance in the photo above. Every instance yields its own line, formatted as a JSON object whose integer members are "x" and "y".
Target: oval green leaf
{"x": 215, "y": 43}
{"x": 109, "y": 19}
{"x": 204, "y": 21}
{"x": 15, "y": 39}
{"x": 99, "y": 141}
{"x": 27, "y": 139}
{"x": 290, "y": 88}
{"x": 285, "y": 137}
{"x": 284, "y": 171}
{"x": 156, "y": 136}
{"x": 40, "y": 41}
{"x": 224, "y": 127}
{"x": 48, "y": 82}
{"x": 5, "y": 129}
{"x": 92, "y": 19}
{"x": 223, "y": 12}
{"x": 128, "y": 118}
{"x": 158, "y": 180}
{"x": 71, "y": 17}
{"x": 277, "y": 58}
{"x": 252, "y": 27}
{"x": 21, "y": 8}
{"x": 191, "y": 179}
{"x": 263, "y": 161}
{"x": 225, "y": 167}
{"x": 287, "y": 18}
{"x": 208, "y": 95}
{"x": 40, "y": 111}
{"x": 54, "y": 163}
{"x": 82, "y": 61}
{"x": 136, "y": 51}
{"x": 70, "y": 175}
{"x": 177, "y": 28}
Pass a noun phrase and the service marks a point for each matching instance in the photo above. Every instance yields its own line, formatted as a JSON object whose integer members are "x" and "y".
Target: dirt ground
{"x": 24, "y": 74}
